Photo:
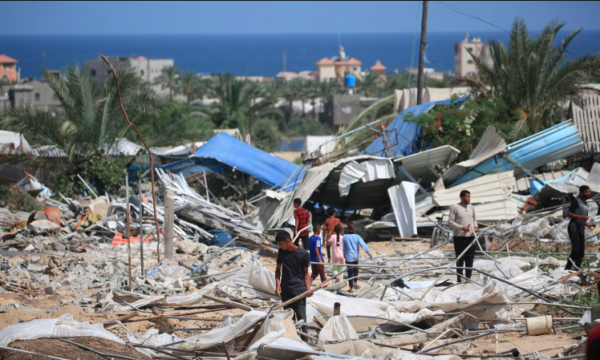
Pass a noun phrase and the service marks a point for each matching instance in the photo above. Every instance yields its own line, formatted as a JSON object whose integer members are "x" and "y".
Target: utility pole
{"x": 283, "y": 60}
{"x": 421, "y": 76}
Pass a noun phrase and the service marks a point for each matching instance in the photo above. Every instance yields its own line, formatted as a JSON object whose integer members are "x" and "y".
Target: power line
{"x": 489, "y": 23}
{"x": 471, "y": 16}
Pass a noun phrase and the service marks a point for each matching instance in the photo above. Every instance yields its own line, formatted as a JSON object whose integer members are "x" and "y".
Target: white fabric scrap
{"x": 337, "y": 329}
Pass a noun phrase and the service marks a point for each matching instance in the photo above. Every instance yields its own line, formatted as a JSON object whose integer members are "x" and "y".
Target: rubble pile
{"x": 195, "y": 278}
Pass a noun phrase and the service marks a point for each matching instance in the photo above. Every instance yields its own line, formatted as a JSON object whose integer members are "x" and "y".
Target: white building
{"x": 148, "y": 70}
{"x": 463, "y": 61}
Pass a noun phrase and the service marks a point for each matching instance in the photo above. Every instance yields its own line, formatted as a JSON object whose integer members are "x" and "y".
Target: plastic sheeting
{"x": 403, "y": 202}
{"x": 405, "y": 134}
{"x": 337, "y": 329}
{"x": 267, "y": 168}
{"x": 61, "y": 327}
{"x": 323, "y": 301}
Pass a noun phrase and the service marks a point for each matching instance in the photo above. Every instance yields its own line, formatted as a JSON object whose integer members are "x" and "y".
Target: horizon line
{"x": 471, "y": 32}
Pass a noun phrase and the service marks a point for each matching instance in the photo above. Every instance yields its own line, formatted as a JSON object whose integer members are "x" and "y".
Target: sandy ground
{"x": 48, "y": 306}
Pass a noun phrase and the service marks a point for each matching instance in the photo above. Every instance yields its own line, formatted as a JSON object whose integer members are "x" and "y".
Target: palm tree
{"x": 187, "y": 84}
{"x": 90, "y": 124}
{"x": 533, "y": 75}
{"x": 169, "y": 78}
{"x": 368, "y": 84}
{"x": 239, "y": 101}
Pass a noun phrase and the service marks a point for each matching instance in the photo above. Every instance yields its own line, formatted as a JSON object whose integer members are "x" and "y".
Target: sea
{"x": 252, "y": 54}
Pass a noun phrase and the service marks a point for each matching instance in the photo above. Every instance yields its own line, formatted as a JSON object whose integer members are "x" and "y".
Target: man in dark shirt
{"x": 292, "y": 276}
{"x": 302, "y": 218}
{"x": 578, "y": 213}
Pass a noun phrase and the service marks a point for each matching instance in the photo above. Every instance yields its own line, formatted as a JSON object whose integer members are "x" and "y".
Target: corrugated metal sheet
{"x": 488, "y": 188}
{"x": 587, "y": 122}
{"x": 493, "y": 211}
{"x": 418, "y": 164}
{"x": 523, "y": 184}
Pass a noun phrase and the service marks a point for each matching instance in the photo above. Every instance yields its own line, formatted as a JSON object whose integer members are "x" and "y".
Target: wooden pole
{"x": 169, "y": 224}
{"x": 128, "y": 230}
{"x": 141, "y": 225}
{"x": 421, "y": 75}
{"x": 112, "y": 69}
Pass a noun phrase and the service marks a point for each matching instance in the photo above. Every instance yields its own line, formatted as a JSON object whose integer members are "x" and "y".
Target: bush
{"x": 264, "y": 133}
{"x": 18, "y": 200}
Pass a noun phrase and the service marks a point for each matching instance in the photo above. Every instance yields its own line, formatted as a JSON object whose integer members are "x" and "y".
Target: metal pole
{"x": 141, "y": 225}
{"x": 169, "y": 224}
{"x": 421, "y": 75}
{"x": 128, "y": 229}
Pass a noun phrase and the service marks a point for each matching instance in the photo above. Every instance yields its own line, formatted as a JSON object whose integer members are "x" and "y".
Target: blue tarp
{"x": 185, "y": 167}
{"x": 557, "y": 142}
{"x": 535, "y": 186}
{"x": 267, "y": 168}
{"x": 404, "y": 134}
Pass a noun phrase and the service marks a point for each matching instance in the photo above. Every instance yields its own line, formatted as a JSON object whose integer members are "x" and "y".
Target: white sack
{"x": 62, "y": 327}
{"x": 337, "y": 329}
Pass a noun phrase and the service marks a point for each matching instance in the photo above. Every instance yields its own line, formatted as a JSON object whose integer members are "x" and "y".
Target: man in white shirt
{"x": 464, "y": 224}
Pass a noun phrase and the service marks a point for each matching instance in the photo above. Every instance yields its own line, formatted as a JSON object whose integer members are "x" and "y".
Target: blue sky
{"x": 174, "y": 17}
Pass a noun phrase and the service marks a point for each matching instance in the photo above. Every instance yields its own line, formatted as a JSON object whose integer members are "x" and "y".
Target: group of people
{"x": 292, "y": 274}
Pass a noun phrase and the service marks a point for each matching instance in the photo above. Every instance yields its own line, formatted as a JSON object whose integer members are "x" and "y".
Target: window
{"x": 470, "y": 49}
{"x": 142, "y": 72}
{"x": 92, "y": 72}
{"x": 37, "y": 96}
{"x": 107, "y": 72}
{"x": 469, "y": 61}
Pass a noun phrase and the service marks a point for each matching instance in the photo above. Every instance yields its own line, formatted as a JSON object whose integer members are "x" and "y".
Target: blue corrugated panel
{"x": 293, "y": 144}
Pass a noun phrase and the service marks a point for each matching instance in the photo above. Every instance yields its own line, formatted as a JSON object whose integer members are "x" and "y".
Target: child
{"x": 328, "y": 227}
{"x": 316, "y": 255}
{"x": 336, "y": 241}
{"x": 352, "y": 252}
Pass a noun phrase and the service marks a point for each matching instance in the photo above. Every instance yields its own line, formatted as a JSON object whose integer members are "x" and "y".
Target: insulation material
{"x": 228, "y": 331}
{"x": 403, "y": 202}
{"x": 337, "y": 329}
{"x": 323, "y": 301}
{"x": 61, "y": 327}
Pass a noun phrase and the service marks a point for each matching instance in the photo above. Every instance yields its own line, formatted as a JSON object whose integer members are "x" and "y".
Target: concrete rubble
{"x": 92, "y": 272}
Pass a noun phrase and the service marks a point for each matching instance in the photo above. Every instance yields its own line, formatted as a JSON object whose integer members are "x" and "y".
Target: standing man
{"x": 302, "y": 218}
{"x": 464, "y": 224}
{"x": 578, "y": 213}
{"x": 352, "y": 241}
{"x": 291, "y": 275}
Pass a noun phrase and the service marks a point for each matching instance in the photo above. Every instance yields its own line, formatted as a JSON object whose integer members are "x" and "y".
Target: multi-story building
{"x": 463, "y": 61}
{"x": 148, "y": 69}
{"x": 8, "y": 69}
{"x": 338, "y": 66}
{"x": 35, "y": 94}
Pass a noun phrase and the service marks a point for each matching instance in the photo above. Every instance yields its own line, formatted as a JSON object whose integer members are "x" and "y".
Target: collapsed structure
{"x": 107, "y": 249}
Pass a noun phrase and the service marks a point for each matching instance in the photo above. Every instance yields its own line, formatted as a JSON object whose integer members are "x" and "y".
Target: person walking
{"x": 336, "y": 241}
{"x": 578, "y": 213}
{"x": 291, "y": 274}
{"x": 464, "y": 225}
{"x": 328, "y": 228}
{"x": 316, "y": 255}
{"x": 352, "y": 241}
{"x": 302, "y": 218}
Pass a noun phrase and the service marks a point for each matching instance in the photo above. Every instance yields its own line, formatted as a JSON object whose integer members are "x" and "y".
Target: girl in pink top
{"x": 336, "y": 241}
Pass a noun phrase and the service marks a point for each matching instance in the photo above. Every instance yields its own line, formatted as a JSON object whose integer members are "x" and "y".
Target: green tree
{"x": 188, "y": 85}
{"x": 532, "y": 75}
{"x": 92, "y": 121}
{"x": 169, "y": 78}
{"x": 239, "y": 101}
{"x": 368, "y": 85}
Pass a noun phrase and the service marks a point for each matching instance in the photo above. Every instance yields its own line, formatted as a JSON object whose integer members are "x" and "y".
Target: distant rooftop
{"x": 7, "y": 60}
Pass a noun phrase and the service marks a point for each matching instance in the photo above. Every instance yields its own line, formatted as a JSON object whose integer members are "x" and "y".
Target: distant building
{"x": 429, "y": 73}
{"x": 35, "y": 94}
{"x": 337, "y": 67}
{"x": 463, "y": 61}
{"x": 8, "y": 69}
{"x": 250, "y": 78}
{"x": 342, "y": 109}
{"x": 286, "y": 76}
{"x": 148, "y": 69}
{"x": 379, "y": 69}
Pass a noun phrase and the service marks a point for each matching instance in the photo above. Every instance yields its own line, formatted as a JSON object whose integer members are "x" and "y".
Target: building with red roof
{"x": 337, "y": 67}
{"x": 8, "y": 69}
{"x": 379, "y": 69}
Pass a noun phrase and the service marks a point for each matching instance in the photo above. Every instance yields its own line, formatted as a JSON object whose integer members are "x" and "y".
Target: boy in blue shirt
{"x": 351, "y": 252}
{"x": 315, "y": 244}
